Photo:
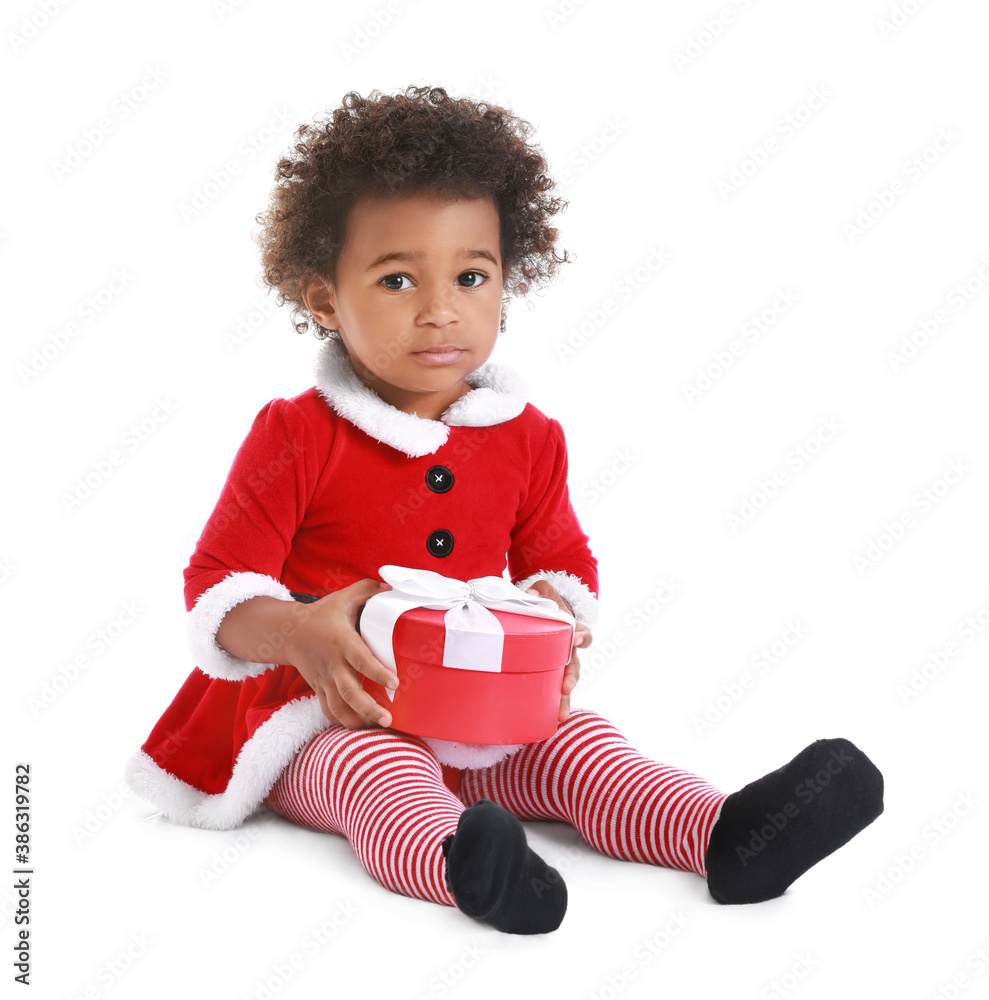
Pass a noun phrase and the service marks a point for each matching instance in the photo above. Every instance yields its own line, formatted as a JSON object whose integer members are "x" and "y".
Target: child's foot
{"x": 496, "y": 878}
{"x": 772, "y": 830}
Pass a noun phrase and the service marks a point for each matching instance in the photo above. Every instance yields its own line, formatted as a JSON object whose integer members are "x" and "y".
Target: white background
{"x": 121, "y": 906}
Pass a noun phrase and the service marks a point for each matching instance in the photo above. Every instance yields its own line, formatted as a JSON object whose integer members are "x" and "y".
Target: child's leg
{"x": 385, "y": 793}
{"x": 624, "y": 804}
{"x": 751, "y": 844}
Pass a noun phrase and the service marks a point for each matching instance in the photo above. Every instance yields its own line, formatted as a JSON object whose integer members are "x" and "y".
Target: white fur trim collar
{"x": 499, "y": 394}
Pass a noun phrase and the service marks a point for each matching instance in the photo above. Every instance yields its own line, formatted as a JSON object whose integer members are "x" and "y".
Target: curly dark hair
{"x": 407, "y": 143}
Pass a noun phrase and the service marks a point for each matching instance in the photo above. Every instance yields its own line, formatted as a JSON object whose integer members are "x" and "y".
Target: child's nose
{"x": 439, "y": 306}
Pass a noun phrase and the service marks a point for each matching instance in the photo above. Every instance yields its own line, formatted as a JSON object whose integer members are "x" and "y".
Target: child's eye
{"x": 475, "y": 280}
{"x": 395, "y": 277}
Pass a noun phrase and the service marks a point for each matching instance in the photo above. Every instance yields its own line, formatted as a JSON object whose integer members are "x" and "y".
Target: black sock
{"x": 772, "y": 830}
{"x": 496, "y": 878}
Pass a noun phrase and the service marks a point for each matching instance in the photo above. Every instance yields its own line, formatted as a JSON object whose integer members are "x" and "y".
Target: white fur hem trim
{"x": 498, "y": 394}
{"x": 204, "y": 619}
{"x": 469, "y": 755}
{"x": 262, "y": 759}
{"x": 584, "y": 603}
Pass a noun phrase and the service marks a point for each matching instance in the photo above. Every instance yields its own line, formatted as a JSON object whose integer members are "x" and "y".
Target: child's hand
{"x": 581, "y": 637}
{"x": 330, "y": 655}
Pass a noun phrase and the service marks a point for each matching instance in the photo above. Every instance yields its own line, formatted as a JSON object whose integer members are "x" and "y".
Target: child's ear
{"x": 320, "y": 298}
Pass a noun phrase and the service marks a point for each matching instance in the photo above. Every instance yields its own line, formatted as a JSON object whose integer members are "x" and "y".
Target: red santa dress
{"x": 328, "y": 486}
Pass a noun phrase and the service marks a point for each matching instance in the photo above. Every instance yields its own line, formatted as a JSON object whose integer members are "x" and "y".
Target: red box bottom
{"x": 472, "y": 706}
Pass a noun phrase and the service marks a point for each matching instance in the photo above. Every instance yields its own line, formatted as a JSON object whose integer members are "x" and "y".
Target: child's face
{"x": 440, "y": 288}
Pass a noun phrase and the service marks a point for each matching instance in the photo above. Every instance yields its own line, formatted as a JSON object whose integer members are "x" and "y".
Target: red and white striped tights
{"x": 386, "y": 794}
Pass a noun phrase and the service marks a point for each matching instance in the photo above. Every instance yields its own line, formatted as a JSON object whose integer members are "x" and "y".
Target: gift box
{"x": 478, "y": 661}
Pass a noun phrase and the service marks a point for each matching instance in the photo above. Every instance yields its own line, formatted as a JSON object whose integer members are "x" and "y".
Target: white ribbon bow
{"x": 474, "y": 638}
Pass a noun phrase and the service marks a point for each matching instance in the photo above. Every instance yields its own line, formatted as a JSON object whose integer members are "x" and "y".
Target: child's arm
{"x": 547, "y": 541}
{"x": 321, "y": 641}
{"x": 550, "y": 552}
{"x": 242, "y": 620}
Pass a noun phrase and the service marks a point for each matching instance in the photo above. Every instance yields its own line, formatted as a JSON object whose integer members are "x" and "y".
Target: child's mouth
{"x": 440, "y": 355}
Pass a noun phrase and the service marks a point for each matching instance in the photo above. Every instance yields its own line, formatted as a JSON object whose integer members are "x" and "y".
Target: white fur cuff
{"x": 204, "y": 619}
{"x": 583, "y": 602}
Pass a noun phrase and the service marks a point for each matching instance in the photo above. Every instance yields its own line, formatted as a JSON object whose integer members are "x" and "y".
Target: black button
{"x": 439, "y": 478}
{"x": 440, "y": 543}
